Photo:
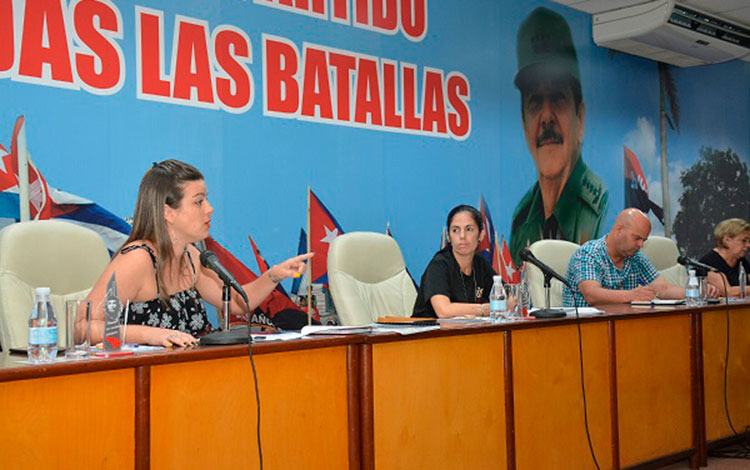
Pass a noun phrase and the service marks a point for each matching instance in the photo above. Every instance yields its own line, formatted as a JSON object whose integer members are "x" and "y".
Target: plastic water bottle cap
{"x": 42, "y": 292}
{"x": 497, "y": 279}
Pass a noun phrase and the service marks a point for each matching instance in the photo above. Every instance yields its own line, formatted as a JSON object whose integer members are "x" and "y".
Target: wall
{"x": 258, "y": 166}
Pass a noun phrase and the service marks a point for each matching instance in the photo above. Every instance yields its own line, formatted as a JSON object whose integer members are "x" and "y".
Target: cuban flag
{"x": 636, "y": 188}
{"x": 46, "y": 202}
{"x": 323, "y": 231}
{"x": 508, "y": 269}
{"x": 486, "y": 247}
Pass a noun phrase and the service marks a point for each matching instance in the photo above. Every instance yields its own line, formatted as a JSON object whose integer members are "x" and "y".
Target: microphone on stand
{"x": 549, "y": 273}
{"x": 527, "y": 255}
{"x": 211, "y": 261}
{"x": 687, "y": 262}
{"x": 238, "y": 335}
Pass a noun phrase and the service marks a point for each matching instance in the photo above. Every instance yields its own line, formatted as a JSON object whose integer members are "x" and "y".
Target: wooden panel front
{"x": 68, "y": 422}
{"x": 439, "y": 403}
{"x": 738, "y": 373}
{"x": 653, "y": 387}
{"x": 203, "y": 413}
{"x": 550, "y": 431}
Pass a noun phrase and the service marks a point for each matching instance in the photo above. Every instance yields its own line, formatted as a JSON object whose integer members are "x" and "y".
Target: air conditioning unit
{"x": 667, "y": 32}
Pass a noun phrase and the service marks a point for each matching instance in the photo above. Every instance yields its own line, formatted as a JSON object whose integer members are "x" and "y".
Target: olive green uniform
{"x": 577, "y": 216}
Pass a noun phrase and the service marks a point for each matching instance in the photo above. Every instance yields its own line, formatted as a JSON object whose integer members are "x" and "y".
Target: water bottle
{"x": 498, "y": 299}
{"x": 743, "y": 280}
{"x": 692, "y": 290}
{"x": 42, "y": 329}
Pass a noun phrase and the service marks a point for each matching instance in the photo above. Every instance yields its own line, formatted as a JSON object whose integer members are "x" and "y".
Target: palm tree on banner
{"x": 667, "y": 95}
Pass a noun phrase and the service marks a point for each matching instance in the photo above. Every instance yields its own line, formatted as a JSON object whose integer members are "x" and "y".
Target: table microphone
{"x": 239, "y": 335}
{"x": 687, "y": 262}
{"x": 211, "y": 261}
{"x": 545, "y": 312}
{"x": 527, "y": 255}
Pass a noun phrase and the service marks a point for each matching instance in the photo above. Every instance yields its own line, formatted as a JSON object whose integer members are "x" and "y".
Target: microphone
{"x": 687, "y": 262}
{"x": 211, "y": 261}
{"x": 527, "y": 255}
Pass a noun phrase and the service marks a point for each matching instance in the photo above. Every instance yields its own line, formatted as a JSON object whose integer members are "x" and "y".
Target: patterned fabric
{"x": 183, "y": 311}
{"x": 591, "y": 262}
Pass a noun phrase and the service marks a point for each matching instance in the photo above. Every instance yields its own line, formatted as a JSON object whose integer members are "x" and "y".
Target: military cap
{"x": 544, "y": 47}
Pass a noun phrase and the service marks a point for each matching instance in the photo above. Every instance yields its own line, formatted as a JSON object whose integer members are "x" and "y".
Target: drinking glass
{"x": 703, "y": 290}
{"x": 77, "y": 340}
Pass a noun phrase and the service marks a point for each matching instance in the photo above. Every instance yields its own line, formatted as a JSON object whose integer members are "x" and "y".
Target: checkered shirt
{"x": 591, "y": 262}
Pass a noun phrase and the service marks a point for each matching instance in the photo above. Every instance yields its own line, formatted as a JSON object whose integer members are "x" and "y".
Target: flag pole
{"x": 23, "y": 173}
{"x": 309, "y": 265}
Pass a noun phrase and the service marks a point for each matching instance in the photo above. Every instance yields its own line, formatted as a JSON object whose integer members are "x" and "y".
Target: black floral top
{"x": 184, "y": 310}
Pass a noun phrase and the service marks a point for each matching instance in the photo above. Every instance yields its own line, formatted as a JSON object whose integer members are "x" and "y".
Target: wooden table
{"x": 466, "y": 396}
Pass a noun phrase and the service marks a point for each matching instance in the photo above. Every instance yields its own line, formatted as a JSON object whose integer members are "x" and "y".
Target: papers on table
{"x": 582, "y": 311}
{"x": 465, "y": 319}
{"x": 369, "y": 328}
{"x": 657, "y": 302}
{"x": 336, "y": 330}
{"x": 283, "y": 336}
{"x": 406, "y": 330}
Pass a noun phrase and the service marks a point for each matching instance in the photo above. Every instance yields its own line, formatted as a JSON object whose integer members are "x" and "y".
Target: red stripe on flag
{"x": 323, "y": 230}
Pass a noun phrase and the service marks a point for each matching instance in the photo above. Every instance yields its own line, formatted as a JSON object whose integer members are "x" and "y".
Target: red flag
{"x": 40, "y": 203}
{"x": 486, "y": 247}
{"x": 274, "y": 303}
{"x": 636, "y": 187}
{"x": 323, "y": 229}
{"x": 497, "y": 261}
{"x": 47, "y": 202}
{"x": 262, "y": 264}
{"x": 509, "y": 271}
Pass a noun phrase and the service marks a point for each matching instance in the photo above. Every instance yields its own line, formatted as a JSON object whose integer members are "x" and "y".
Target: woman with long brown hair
{"x": 158, "y": 270}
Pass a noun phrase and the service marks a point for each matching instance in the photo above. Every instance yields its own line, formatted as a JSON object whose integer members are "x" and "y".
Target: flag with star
{"x": 323, "y": 229}
{"x": 486, "y": 247}
{"x": 508, "y": 269}
{"x": 47, "y": 202}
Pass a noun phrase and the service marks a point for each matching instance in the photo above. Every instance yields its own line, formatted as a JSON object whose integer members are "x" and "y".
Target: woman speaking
{"x": 158, "y": 269}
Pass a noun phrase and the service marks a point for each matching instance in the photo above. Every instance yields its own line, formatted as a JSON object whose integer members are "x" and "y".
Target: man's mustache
{"x": 549, "y": 133}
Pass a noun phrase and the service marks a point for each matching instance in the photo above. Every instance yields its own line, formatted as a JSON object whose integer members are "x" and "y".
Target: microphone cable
{"x": 255, "y": 380}
{"x": 745, "y": 452}
{"x": 583, "y": 382}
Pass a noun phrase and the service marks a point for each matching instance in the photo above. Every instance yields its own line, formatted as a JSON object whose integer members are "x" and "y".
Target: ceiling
{"x": 737, "y": 11}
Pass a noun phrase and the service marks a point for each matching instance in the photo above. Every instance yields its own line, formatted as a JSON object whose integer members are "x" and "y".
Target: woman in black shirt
{"x": 732, "y": 242}
{"x": 457, "y": 281}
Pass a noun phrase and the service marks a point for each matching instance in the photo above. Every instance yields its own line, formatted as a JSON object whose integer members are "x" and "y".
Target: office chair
{"x": 368, "y": 278}
{"x": 63, "y": 256}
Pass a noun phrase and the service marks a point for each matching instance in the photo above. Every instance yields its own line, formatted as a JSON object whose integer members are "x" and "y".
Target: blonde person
{"x": 732, "y": 237}
{"x": 158, "y": 268}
